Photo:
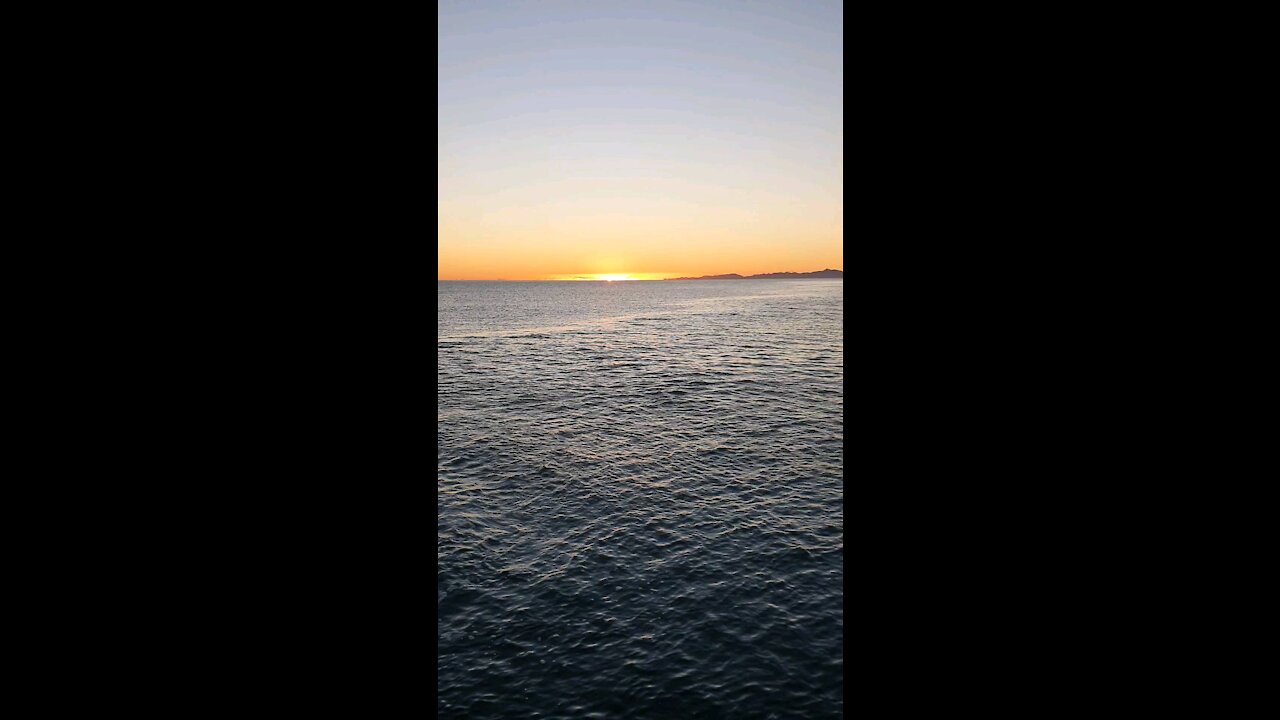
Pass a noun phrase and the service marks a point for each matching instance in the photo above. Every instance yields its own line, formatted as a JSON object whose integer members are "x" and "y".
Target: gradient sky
{"x": 650, "y": 138}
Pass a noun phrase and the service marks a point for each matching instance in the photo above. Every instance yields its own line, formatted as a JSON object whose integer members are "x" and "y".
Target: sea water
{"x": 640, "y": 495}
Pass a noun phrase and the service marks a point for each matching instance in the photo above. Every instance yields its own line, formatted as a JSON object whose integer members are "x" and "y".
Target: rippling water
{"x": 640, "y": 500}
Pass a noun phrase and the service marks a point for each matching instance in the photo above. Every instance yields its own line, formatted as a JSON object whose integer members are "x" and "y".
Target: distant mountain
{"x": 817, "y": 274}
{"x": 730, "y": 276}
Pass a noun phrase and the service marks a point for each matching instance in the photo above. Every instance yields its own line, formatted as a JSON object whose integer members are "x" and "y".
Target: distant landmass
{"x": 815, "y": 275}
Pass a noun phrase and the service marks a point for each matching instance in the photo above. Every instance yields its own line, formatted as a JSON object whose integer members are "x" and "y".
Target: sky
{"x": 641, "y": 138}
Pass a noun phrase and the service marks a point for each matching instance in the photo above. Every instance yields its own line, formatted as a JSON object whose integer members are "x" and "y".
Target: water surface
{"x": 639, "y": 499}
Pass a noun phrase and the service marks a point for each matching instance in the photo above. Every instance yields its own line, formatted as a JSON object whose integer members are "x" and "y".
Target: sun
{"x": 614, "y": 277}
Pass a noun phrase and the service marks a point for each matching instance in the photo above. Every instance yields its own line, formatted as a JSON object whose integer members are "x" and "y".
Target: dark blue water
{"x": 640, "y": 499}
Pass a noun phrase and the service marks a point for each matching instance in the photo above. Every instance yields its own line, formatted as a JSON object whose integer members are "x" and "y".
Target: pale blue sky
{"x": 672, "y": 124}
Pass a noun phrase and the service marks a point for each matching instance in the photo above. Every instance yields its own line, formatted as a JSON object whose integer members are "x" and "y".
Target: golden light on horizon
{"x": 609, "y": 277}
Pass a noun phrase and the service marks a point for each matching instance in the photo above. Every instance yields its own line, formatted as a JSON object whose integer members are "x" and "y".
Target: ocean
{"x": 640, "y": 501}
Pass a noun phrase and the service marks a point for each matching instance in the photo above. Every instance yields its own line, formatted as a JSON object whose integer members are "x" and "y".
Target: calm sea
{"x": 639, "y": 499}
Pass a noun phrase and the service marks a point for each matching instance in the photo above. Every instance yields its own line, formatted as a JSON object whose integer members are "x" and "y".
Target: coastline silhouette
{"x": 815, "y": 275}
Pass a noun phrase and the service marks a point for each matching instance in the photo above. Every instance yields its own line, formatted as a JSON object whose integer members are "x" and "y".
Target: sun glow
{"x": 612, "y": 277}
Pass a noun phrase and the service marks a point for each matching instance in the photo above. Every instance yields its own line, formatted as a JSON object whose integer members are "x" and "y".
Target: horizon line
{"x": 595, "y": 277}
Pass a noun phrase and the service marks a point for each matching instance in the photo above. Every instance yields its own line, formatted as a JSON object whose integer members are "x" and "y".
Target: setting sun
{"x": 610, "y": 277}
